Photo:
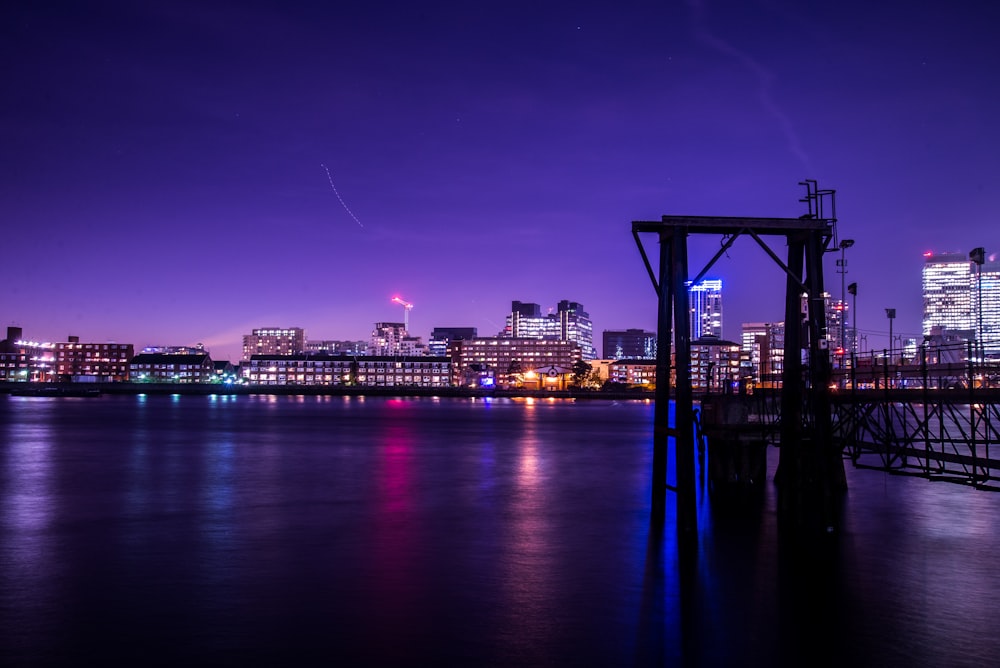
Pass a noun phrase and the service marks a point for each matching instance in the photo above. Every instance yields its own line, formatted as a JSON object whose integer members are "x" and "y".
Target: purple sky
{"x": 163, "y": 180}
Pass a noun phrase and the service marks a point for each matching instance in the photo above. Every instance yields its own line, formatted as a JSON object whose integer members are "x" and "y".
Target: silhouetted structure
{"x": 810, "y": 468}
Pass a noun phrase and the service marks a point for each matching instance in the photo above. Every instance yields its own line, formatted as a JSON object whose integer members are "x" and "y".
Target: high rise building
{"x": 274, "y": 341}
{"x": 508, "y": 360}
{"x": 962, "y": 297}
{"x": 526, "y": 321}
{"x": 835, "y": 315}
{"x": 706, "y": 308}
{"x": 629, "y": 344}
{"x": 387, "y": 338}
{"x": 763, "y": 352}
{"x": 569, "y": 323}
{"x": 948, "y": 287}
{"x": 171, "y": 368}
{"x": 990, "y": 306}
{"x": 575, "y": 326}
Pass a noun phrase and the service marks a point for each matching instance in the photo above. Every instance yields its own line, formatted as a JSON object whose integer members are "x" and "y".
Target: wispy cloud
{"x": 762, "y": 74}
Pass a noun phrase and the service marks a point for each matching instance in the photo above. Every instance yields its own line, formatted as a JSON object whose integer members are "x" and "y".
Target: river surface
{"x": 259, "y": 530}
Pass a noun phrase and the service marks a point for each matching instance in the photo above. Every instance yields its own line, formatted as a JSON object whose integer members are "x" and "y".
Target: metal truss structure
{"x": 940, "y": 434}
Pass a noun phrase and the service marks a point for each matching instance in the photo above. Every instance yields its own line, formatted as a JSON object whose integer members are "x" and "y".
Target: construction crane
{"x": 406, "y": 311}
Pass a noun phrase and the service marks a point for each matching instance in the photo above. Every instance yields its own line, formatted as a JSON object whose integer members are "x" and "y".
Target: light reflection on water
{"x": 371, "y": 531}
{"x": 29, "y": 566}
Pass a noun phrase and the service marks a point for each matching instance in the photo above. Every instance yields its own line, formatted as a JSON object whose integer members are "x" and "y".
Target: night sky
{"x": 164, "y": 165}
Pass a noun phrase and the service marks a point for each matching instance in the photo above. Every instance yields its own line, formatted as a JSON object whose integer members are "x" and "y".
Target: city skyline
{"x": 184, "y": 174}
{"x": 955, "y": 293}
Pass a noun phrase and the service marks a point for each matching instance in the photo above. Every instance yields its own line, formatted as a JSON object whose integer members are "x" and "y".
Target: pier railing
{"x": 947, "y": 434}
{"x": 941, "y": 434}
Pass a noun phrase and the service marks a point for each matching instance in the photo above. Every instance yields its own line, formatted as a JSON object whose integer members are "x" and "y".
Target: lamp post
{"x": 978, "y": 255}
{"x": 890, "y": 313}
{"x": 852, "y": 289}
{"x": 842, "y": 263}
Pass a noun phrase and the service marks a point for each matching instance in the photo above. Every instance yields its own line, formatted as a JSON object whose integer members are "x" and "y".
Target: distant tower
{"x": 569, "y": 323}
{"x": 525, "y": 321}
{"x": 763, "y": 351}
{"x": 948, "y": 289}
{"x": 991, "y": 305}
{"x": 575, "y": 325}
{"x": 706, "y": 308}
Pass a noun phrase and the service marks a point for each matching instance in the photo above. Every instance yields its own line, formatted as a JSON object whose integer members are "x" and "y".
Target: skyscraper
{"x": 526, "y": 321}
{"x": 569, "y": 323}
{"x": 949, "y": 285}
{"x": 763, "y": 351}
{"x": 575, "y": 325}
{"x": 706, "y": 308}
{"x": 990, "y": 306}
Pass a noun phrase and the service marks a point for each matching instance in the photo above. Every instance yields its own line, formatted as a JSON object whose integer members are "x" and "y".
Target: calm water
{"x": 346, "y": 531}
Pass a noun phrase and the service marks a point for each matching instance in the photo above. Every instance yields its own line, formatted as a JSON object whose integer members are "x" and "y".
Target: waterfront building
{"x": 274, "y": 341}
{"x": 546, "y": 378}
{"x": 35, "y": 361}
{"x": 23, "y": 360}
{"x": 14, "y": 365}
{"x": 634, "y": 372}
{"x": 628, "y": 344}
{"x": 762, "y": 352}
{"x": 569, "y": 323}
{"x": 601, "y": 370}
{"x": 225, "y": 372}
{"x": 95, "y": 362}
{"x": 705, "y": 298}
{"x": 508, "y": 359}
{"x": 168, "y": 368}
{"x": 348, "y": 370}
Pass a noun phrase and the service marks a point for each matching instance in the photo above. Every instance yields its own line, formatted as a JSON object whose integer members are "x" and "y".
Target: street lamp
{"x": 890, "y": 313}
{"x": 842, "y": 263}
{"x": 852, "y": 289}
